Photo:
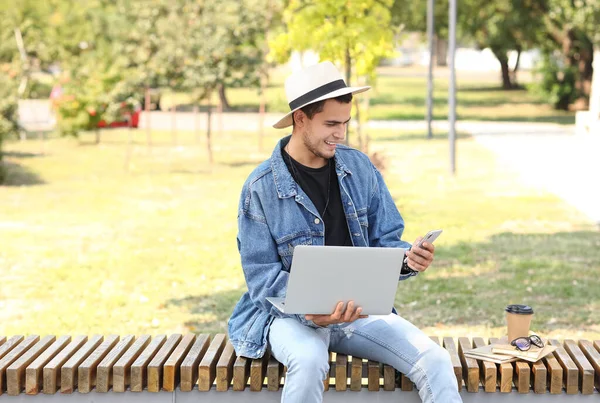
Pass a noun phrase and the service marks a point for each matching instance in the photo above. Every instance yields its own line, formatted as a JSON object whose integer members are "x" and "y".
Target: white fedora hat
{"x": 313, "y": 84}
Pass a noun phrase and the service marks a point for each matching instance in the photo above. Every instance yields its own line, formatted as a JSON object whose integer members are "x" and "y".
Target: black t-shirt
{"x": 317, "y": 183}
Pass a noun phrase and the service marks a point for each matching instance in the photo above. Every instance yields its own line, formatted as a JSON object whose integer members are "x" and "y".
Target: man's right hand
{"x": 339, "y": 315}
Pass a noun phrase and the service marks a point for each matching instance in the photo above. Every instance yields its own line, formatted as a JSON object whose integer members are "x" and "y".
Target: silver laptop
{"x": 322, "y": 276}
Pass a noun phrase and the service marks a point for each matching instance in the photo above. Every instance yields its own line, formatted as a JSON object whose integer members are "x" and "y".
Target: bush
{"x": 8, "y": 112}
{"x": 557, "y": 83}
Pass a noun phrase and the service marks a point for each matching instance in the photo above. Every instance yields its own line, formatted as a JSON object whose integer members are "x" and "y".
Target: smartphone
{"x": 430, "y": 237}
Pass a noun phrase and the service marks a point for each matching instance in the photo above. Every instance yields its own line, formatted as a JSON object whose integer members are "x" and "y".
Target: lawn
{"x": 88, "y": 246}
{"x": 401, "y": 95}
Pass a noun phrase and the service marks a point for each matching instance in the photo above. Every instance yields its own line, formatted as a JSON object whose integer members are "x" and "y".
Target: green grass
{"x": 401, "y": 96}
{"x": 88, "y": 246}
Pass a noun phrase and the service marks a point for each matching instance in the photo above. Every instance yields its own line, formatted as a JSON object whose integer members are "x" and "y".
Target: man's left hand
{"x": 419, "y": 258}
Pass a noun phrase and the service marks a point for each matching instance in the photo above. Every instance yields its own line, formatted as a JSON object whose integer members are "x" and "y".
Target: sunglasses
{"x": 524, "y": 343}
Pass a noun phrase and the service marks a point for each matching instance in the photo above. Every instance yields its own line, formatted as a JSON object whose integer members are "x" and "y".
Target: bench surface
{"x": 31, "y": 365}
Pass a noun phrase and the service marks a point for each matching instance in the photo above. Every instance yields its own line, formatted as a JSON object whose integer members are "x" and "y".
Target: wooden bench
{"x": 180, "y": 367}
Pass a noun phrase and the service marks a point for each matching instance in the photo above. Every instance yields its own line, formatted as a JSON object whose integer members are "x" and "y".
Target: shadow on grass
{"x": 403, "y": 136}
{"x": 240, "y": 164}
{"x": 390, "y": 100}
{"x": 13, "y": 174}
{"x": 400, "y": 115}
{"x": 471, "y": 283}
{"x": 239, "y": 108}
{"x": 208, "y": 313}
{"x": 492, "y": 89}
{"x": 19, "y": 154}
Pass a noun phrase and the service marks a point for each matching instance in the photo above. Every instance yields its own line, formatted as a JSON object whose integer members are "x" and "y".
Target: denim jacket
{"x": 275, "y": 215}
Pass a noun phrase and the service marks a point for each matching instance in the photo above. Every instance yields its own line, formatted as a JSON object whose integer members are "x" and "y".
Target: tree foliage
{"x": 355, "y": 33}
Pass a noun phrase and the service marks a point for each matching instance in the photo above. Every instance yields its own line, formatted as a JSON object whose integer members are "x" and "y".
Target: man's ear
{"x": 299, "y": 118}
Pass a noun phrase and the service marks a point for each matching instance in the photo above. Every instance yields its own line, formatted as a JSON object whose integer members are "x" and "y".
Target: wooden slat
{"x": 2, "y": 340}
{"x": 374, "y": 374}
{"x": 241, "y": 372}
{"x": 355, "y": 373}
{"x": 593, "y": 357}
{"x": 104, "y": 378}
{"x": 68, "y": 372}
{"x": 451, "y": 348}
{"x": 389, "y": 378}
{"x": 469, "y": 365}
{"x": 207, "y": 367}
{"x": 225, "y": 367}
{"x": 122, "y": 369}
{"x": 406, "y": 384}
{"x": 34, "y": 371}
{"x": 139, "y": 369}
{"x": 522, "y": 376}
{"x": 586, "y": 371}
{"x": 273, "y": 374}
{"x": 52, "y": 371}
{"x": 7, "y": 346}
{"x": 539, "y": 377}
{"x": 15, "y": 373}
{"x": 13, "y": 355}
{"x": 171, "y": 367}
{"x": 86, "y": 374}
{"x": 555, "y": 374}
{"x": 341, "y": 372}
{"x": 258, "y": 370}
{"x": 487, "y": 370}
{"x": 505, "y": 373}
{"x": 189, "y": 366}
{"x": 327, "y": 375}
{"x": 570, "y": 371}
{"x": 155, "y": 368}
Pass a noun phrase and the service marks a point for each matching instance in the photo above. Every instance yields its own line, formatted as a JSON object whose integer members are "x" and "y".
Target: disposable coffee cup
{"x": 518, "y": 320}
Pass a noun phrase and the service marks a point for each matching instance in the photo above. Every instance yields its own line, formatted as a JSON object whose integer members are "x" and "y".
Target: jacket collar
{"x": 284, "y": 183}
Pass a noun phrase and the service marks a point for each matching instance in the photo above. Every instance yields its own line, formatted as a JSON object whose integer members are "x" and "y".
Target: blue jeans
{"x": 389, "y": 339}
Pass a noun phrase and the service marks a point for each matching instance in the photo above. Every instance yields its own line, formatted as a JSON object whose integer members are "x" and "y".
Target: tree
{"x": 412, "y": 17}
{"x": 502, "y": 26}
{"x": 570, "y": 30}
{"x": 354, "y": 33}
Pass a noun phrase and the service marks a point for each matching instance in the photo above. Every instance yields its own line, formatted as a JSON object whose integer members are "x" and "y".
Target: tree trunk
{"x": 264, "y": 80}
{"x": 174, "y": 124}
{"x": 209, "y": 129}
{"x": 586, "y": 72}
{"x": 348, "y": 63}
{"x": 196, "y": 123}
{"x": 223, "y": 98}
{"x": 129, "y": 145}
{"x": 358, "y": 125}
{"x": 514, "y": 71}
{"x": 506, "y": 84}
{"x": 503, "y": 59}
{"x": 441, "y": 52}
{"x": 595, "y": 90}
{"x": 97, "y": 135}
{"x": 147, "y": 109}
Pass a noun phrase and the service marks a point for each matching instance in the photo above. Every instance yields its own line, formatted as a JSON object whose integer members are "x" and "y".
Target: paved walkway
{"x": 549, "y": 156}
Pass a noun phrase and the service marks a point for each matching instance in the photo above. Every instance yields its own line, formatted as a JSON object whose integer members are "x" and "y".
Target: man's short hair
{"x": 311, "y": 110}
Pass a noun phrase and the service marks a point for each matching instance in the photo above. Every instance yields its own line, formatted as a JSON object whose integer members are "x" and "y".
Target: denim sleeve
{"x": 261, "y": 262}
{"x": 385, "y": 222}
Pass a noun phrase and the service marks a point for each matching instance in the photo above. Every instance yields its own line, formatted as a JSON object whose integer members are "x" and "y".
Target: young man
{"x": 316, "y": 191}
